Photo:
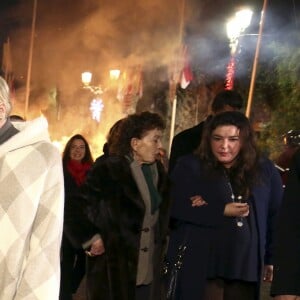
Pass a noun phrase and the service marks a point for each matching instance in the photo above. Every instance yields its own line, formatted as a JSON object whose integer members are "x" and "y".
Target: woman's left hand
{"x": 197, "y": 201}
{"x": 268, "y": 273}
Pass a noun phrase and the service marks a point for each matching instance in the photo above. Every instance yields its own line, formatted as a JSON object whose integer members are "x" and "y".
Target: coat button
{"x": 145, "y": 249}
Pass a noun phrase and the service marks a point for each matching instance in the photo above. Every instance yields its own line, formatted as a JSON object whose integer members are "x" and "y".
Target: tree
{"x": 278, "y": 85}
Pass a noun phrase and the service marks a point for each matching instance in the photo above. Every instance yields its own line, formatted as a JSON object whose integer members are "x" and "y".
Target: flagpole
{"x": 173, "y": 99}
{"x": 30, "y": 59}
{"x": 173, "y": 94}
{"x": 174, "y": 104}
{"x": 255, "y": 61}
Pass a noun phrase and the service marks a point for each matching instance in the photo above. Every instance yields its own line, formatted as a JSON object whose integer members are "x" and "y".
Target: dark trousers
{"x": 142, "y": 292}
{"x": 219, "y": 289}
{"x": 72, "y": 270}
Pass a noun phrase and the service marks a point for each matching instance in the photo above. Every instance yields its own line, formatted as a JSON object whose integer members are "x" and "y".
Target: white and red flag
{"x": 186, "y": 74}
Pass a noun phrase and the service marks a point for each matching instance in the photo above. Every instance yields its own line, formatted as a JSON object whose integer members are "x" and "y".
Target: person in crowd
{"x": 32, "y": 203}
{"x": 77, "y": 161}
{"x": 163, "y": 157}
{"x": 292, "y": 144}
{"x": 112, "y": 134}
{"x": 16, "y": 118}
{"x": 225, "y": 200}
{"x": 286, "y": 280}
{"x": 188, "y": 140}
{"x": 128, "y": 205}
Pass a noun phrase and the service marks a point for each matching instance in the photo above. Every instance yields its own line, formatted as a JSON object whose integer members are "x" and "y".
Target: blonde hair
{"x": 4, "y": 96}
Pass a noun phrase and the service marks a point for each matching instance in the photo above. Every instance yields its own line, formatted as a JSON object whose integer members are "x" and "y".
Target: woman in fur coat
{"x": 128, "y": 207}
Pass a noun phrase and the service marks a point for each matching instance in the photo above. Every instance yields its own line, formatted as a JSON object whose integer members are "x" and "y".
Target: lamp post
{"x": 27, "y": 92}
{"x": 235, "y": 27}
{"x": 96, "y": 106}
{"x": 255, "y": 61}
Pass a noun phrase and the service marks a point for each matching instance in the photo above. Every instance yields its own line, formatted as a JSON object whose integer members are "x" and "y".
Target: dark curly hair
{"x": 66, "y": 153}
{"x": 243, "y": 172}
{"x": 134, "y": 126}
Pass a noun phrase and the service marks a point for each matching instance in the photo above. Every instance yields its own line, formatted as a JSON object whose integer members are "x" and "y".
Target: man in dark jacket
{"x": 286, "y": 280}
{"x": 188, "y": 140}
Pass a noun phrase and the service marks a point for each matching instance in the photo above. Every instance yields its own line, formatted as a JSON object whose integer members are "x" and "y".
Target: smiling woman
{"x": 77, "y": 161}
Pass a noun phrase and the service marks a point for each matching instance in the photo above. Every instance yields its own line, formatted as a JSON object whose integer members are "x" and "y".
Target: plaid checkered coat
{"x": 31, "y": 214}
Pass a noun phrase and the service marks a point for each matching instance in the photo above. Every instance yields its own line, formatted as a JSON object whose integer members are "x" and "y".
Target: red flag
{"x": 140, "y": 84}
{"x": 131, "y": 89}
{"x": 186, "y": 73}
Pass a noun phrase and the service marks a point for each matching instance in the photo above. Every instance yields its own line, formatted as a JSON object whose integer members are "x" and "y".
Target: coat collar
{"x": 30, "y": 133}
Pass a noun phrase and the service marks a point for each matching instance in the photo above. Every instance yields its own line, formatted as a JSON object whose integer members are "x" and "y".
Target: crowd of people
{"x": 216, "y": 212}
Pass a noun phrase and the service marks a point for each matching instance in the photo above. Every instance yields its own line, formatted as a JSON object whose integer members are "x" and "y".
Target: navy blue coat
{"x": 199, "y": 224}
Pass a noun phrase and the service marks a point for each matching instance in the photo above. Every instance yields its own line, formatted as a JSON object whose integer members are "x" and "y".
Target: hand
{"x": 236, "y": 209}
{"x": 197, "y": 201}
{"x": 287, "y": 297}
{"x": 97, "y": 248}
{"x": 268, "y": 273}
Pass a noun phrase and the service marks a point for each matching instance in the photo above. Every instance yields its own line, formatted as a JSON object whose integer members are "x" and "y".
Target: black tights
{"x": 222, "y": 289}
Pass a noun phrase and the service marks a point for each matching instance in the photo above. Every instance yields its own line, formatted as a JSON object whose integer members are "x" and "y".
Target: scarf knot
{"x": 78, "y": 170}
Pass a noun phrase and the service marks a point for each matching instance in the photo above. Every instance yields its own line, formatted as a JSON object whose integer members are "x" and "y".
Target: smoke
{"x": 72, "y": 36}
{"x": 75, "y": 36}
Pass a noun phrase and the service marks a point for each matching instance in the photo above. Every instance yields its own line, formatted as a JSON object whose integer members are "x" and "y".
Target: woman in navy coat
{"x": 225, "y": 201}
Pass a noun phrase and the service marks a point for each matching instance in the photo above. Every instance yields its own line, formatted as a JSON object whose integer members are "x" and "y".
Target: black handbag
{"x": 172, "y": 272}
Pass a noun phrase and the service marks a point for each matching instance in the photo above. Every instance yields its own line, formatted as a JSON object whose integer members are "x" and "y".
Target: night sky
{"x": 128, "y": 31}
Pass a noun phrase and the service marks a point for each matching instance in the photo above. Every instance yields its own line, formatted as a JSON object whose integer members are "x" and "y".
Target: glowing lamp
{"x": 237, "y": 25}
{"x": 243, "y": 18}
{"x": 86, "y": 78}
{"x": 114, "y": 74}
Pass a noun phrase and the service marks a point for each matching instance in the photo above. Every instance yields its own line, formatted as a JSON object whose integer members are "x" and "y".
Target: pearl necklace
{"x": 239, "y": 220}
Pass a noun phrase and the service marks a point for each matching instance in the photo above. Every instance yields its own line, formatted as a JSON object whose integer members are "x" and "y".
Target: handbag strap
{"x": 181, "y": 250}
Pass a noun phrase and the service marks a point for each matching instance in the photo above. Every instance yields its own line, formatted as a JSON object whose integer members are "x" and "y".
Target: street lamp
{"x": 86, "y": 79}
{"x": 235, "y": 27}
{"x": 114, "y": 74}
{"x": 96, "y": 106}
